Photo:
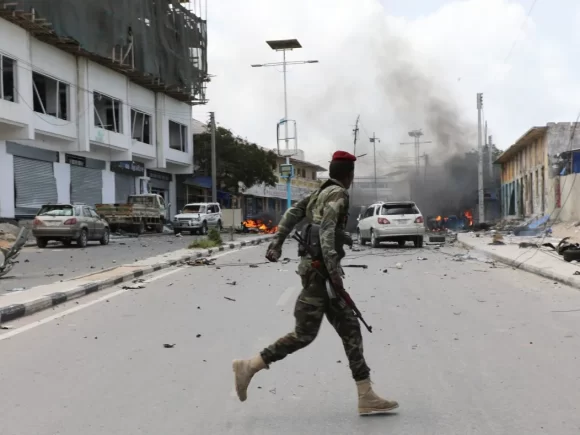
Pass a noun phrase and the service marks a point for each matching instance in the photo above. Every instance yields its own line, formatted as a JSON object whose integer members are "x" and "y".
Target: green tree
{"x": 237, "y": 160}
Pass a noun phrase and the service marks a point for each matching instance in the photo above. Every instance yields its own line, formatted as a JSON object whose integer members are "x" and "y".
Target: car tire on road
{"x": 83, "y": 239}
{"x": 140, "y": 228}
{"x": 374, "y": 241}
{"x": 41, "y": 243}
{"x": 361, "y": 241}
{"x": 418, "y": 242}
{"x": 402, "y": 243}
{"x": 106, "y": 237}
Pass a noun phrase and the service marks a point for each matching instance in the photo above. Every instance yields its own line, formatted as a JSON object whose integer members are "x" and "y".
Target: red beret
{"x": 343, "y": 155}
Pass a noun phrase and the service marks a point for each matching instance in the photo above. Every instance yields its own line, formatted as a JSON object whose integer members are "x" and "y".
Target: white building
{"x": 73, "y": 130}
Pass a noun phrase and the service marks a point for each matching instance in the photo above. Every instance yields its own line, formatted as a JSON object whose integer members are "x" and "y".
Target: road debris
{"x": 359, "y": 266}
{"x": 285, "y": 260}
{"x": 198, "y": 336}
{"x": 201, "y": 262}
{"x": 133, "y": 286}
{"x": 231, "y": 283}
{"x": 5, "y": 327}
{"x": 385, "y": 270}
{"x": 253, "y": 266}
{"x": 421, "y": 258}
{"x": 169, "y": 346}
{"x": 229, "y": 299}
{"x": 399, "y": 265}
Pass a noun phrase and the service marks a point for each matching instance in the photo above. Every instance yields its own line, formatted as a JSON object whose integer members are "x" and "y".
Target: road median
{"x": 20, "y": 304}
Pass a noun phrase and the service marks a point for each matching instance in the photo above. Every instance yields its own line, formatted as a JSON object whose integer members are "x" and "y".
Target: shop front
{"x": 126, "y": 178}
{"x": 86, "y": 179}
{"x": 34, "y": 178}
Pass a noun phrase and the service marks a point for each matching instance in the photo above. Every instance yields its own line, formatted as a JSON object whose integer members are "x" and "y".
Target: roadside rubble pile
{"x": 8, "y": 233}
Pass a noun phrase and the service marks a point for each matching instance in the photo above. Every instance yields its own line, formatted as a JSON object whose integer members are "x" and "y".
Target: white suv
{"x": 399, "y": 221}
{"x": 197, "y": 217}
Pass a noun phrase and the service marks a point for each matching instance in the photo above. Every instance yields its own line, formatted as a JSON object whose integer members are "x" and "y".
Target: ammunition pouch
{"x": 311, "y": 235}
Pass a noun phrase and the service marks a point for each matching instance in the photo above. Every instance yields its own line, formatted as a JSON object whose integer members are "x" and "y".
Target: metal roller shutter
{"x": 159, "y": 184}
{"x": 35, "y": 185}
{"x": 86, "y": 185}
{"x": 124, "y": 186}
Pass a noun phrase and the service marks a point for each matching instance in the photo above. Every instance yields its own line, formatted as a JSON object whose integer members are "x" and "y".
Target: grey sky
{"x": 394, "y": 63}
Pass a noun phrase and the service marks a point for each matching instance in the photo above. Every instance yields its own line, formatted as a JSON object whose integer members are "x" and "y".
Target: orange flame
{"x": 469, "y": 215}
{"x": 260, "y": 226}
{"x": 438, "y": 219}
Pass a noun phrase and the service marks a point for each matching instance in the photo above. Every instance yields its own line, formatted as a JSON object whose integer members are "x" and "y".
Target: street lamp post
{"x": 285, "y": 45}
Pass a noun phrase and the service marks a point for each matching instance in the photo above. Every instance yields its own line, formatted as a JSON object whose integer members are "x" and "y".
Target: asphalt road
{"x": 464, "y": 347}
{"x": 58, "y": 262}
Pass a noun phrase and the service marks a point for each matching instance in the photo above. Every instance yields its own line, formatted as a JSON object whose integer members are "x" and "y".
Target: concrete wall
{"x": 6, "y": 182}
{"x": 570, "y": 198}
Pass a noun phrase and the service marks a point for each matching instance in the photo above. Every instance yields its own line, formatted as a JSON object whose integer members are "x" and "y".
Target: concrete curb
{"x": 570, "y": 281}
{"x": 15, "y": 311}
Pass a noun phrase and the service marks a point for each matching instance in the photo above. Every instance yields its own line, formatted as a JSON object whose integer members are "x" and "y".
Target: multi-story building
{"x": 95, "y": 110}
{"x": 538, "y": 173}
{"x": 273, "y": 199}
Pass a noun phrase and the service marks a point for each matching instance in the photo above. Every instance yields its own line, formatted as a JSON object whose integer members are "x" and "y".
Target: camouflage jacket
{"x": 327, "y": 207}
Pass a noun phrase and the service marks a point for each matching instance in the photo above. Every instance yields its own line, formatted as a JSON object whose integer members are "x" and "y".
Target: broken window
{"x": 8, "y": 79}
{"x": 141, "y": 126}
{"x": 50, "y": 96}
{"x": 177, "y": 136}
{"x": 108, "y": 113}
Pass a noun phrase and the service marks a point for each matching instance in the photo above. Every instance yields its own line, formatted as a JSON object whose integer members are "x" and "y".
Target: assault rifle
{"x": 341, "y": 293}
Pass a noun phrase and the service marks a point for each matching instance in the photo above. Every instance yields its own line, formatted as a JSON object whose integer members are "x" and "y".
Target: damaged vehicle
{"x": 66, "y": 223}
{"x": 8, "y": 255}
{"x": 400, "y": 222}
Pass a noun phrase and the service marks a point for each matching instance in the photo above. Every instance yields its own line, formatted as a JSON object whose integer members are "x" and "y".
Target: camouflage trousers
{"x": 311, "y": 306}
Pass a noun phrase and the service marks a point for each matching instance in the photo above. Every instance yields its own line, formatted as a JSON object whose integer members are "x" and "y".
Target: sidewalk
{"x": 543, "y": 261}
{"x": 20, "y": 304}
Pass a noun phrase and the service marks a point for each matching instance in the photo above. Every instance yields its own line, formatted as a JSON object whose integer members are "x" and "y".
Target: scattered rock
{"x": 168, "y": 346}
{"x": 229, "y": 299}
{"x": 198, "y": 336}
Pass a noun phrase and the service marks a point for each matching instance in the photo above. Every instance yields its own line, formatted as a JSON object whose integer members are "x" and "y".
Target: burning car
{"x": 263, "y": 224}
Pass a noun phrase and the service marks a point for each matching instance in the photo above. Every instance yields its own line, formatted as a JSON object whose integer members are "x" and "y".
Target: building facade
{"x": 537, "y": 173}
{"x": 83, "y": 127}
{"x": 272, "y": 200}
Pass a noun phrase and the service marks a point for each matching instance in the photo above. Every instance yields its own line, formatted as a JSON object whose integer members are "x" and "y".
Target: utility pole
{"x": 490, "y": 150}
{"x": 416, "y": 135}
{"x": 480, "y": 159}
{"x": 213, "y": 159}
{"x": 284, "y": 46}
{"x": 374, "y": 140}
{"x": 355, "y": 132}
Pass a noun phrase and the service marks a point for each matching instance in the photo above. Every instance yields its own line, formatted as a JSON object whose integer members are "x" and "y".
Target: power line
{"x": 521, "y": 28}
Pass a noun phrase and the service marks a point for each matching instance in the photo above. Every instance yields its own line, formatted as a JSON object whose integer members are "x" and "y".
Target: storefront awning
{"x": 199, "y": 181}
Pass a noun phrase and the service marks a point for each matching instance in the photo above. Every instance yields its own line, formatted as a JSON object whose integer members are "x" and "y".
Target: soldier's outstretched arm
{"x": 290, "y": 219}
{"x": 335, "y": 206}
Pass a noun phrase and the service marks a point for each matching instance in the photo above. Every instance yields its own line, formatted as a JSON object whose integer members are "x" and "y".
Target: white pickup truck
{"x": 198, "y": 217}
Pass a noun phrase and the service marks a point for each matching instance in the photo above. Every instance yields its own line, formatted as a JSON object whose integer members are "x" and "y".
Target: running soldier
{"x": 328, "y": 209}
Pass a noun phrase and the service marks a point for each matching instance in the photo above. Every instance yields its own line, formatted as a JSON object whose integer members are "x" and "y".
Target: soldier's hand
{"x": 273, "y": 253}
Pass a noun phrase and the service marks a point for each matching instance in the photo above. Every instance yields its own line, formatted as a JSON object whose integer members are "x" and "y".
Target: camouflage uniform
{"x": 327, "y": 207}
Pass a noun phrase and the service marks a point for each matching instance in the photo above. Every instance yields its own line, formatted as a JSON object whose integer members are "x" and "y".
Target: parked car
{"x": 399, "y": 221}
{"x": 69, "y": 222}
{"x": 198, "y": 217}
